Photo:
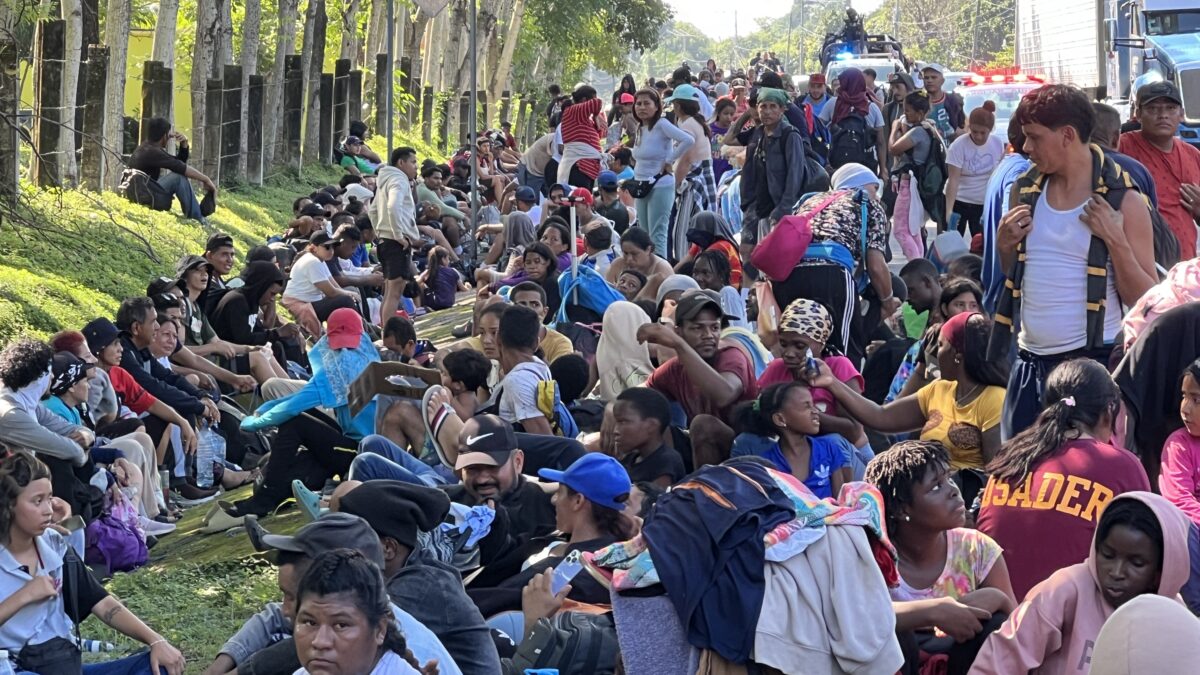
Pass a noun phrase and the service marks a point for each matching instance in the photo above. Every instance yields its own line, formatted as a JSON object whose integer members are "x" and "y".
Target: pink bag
{"x": 782, "y": 249}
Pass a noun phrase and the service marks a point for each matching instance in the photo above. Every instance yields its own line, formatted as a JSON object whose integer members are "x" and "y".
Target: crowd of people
{"x": 694, "y": 422}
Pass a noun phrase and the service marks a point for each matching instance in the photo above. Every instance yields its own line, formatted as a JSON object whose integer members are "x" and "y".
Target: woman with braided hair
{"x": 344, "y": 623}
{"x": 1027, "y": 506}
{"x": 954, "y": 588}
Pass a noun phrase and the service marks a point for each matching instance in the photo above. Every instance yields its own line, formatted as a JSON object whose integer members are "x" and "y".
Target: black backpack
{"x": 852, "y": 141}
{"x": 574, "y": 643}
{"x": 139, "y": 188}
{"x": 931, "y": 179}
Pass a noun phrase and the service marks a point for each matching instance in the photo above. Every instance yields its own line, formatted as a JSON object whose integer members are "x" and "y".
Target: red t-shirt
{"x": 671, "y": 379}
{"x": 1170, "y": 170}
{"x": 1046, "y": 523}
{"x": 731, "y": 252}
{"x": 579, "y": 126}
{"x": 842, "y": 368}
{"x": 130, "y": 393}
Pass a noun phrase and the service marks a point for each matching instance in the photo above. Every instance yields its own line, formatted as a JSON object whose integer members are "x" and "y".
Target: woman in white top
{"x": 344, "y": 621}
{"x": 311, "y": 283}
{"x": 697, "y": 161}
{"x": 970, "y": 162}
{"x": 658, "y": 146}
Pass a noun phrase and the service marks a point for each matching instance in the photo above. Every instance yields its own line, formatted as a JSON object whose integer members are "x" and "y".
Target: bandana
{"x": 775, "y": 95}
{"x": 954, "y": 330}
{"x": 808, "y": 318}
{"x": 66, "y": 378}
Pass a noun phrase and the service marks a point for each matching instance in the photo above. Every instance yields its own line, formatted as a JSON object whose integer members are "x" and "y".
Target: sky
{"x": 716, "y": 17}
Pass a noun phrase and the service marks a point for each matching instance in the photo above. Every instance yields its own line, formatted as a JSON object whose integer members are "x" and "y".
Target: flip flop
{"x": 433, "y": 428}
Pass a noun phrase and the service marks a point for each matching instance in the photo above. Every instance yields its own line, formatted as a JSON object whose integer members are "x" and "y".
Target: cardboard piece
{"x": 374, "y": 381}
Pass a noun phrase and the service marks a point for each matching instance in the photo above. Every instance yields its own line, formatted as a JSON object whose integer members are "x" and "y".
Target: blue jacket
{"x": 333, "y": 372}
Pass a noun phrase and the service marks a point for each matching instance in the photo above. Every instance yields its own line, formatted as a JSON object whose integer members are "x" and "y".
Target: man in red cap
{"x": 624, "y": 128}
{"x": 585, "y": 215}
{"x": 817, "y": 97}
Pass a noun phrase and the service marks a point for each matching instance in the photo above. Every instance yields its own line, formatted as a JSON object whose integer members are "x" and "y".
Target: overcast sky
{"x": 716, "y": 17}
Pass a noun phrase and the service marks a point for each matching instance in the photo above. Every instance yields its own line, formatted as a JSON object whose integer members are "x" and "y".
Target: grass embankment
{"x": 70, "y": 256}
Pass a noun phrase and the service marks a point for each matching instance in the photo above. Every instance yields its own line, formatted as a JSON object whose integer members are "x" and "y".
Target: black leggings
{"x": 970, "y": 217}
{"x": 833, "y": 286}
{"x": 325, "y": 306}
{"x": 327, "y": 452}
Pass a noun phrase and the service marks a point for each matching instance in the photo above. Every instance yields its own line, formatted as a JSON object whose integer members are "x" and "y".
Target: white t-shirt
{"x": 307, "y": 271}
{"x": 977, "y": 163}
{"x": 874, "y": 114}
{"x": 518, "y": 391}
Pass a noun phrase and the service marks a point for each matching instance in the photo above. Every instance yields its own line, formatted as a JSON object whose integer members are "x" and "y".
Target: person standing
{"x": 945, "y": 109}
{"x": 394, "y": 213}
{"x": 583, "y": 125}
{"x": 970, "y": 162}
{"x": 1071, "y": 258}
{"x": 1175, "y": 165}
{"x": 659, "y": 144}
{"x": 817, "y": 97}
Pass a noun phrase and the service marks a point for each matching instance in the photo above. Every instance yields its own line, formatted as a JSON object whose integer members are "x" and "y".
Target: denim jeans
{"x": 179, "y": 185}
{"x": 138, "y": 664}
{"x": 379, "y": 458}
{"x": 654, "y": 215}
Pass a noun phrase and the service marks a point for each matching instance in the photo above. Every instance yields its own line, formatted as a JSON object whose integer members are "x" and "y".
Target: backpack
{"x": 114, "y": 539}
{"x": 852, "y": 141}
{"x": 573, "y": 643}
{"x": 595, "y": 293}
{"x": 139, "y": 188}
{"x": 818, "y": 133}
{"x": 931, "y": 179}
{"x": 562, "y": 423}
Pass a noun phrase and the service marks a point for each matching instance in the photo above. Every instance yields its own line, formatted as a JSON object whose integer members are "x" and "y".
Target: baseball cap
{"x": 692, "y": 302}
{"x": 313, "y": 210}
{"x": 160, "y": 285}
{"x": 99, "y": 334}
{"x": 607, "y": 180}
{"x": 526, "y": 194}
{"x": 934, "y": 66}
{"x": 320, "y": 238}
{"x": 66, "y": 369}
{"x": 1157, "y": 90}
{"x": 397, "y": 509}
{"x": 684, "y": 92}
{"x": 738, "y": 82}
{"x": 353, "y": 140}
{"x": 486, "y": 440}
{"x": 584, "y": 195}
{"x": 816, "y": 78}
{"x": 626, "y": 99}
{"x": 344, "y": 328}
{"x": 332, "y": 530}
{"x": 599, "y": 478}
{"x": 218, "y": 240}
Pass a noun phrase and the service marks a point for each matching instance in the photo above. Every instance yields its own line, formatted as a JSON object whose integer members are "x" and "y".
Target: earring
{"x": 957, "y": 360}
{"x": 907, "y": 518}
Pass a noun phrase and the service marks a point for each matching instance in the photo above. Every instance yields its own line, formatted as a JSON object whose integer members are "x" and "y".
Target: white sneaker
{"x": 155, "y": 528}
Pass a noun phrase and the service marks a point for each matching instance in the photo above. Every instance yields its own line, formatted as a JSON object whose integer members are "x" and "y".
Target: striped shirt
{"x": 579, "y": 126}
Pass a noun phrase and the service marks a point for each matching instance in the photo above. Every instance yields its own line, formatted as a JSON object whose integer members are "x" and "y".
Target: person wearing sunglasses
{"x": 312, "y": 284}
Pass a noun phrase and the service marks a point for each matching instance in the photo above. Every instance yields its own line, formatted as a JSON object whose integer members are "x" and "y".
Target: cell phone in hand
{"x": 565, "y": 572}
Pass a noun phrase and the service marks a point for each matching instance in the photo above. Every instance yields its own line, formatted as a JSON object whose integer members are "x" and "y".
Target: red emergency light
{"x": 1002, "y": 78}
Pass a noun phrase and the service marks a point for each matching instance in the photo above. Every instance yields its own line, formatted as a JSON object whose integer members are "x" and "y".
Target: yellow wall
{"x": 141, "y": 43}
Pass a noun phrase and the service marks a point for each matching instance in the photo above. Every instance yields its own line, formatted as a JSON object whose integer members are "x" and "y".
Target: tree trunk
{"x": 249, "y": 60}
{"x": 349, "y": 28}
{"x": 164, "y": 33}
{"x": 72, "y": 13}
{"x": 225, "y": 16}
{"x": 116, "y": 34}
{"x": 452, "y": 59}
{"x": 315, "y": 62}
{"x": 412, "y": 45}
{"x": 285, "y": 45}
{"x": 432, "y": 55}
{"x": 376, "y": 35}
{"x": 207, "y": 43}
{"x": 503, "y": 68}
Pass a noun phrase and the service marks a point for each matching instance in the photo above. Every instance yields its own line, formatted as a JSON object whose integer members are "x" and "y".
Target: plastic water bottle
{"x": 6, "y": 667}
{"x": 95, "y": 646}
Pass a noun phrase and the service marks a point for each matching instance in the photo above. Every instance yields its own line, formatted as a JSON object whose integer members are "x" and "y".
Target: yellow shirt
{"x": 959, "y": 428}
{"x": 555, "y": 344}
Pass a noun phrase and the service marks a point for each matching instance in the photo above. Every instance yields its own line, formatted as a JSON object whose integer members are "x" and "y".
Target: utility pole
{"x": 787, "y": 58}
{"x": 803, "y": 23}
{"x": 896, "y": 19}
{"x": 974, "y": 33}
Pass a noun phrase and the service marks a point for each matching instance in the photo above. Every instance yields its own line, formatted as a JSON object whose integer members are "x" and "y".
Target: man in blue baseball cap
{"x": 608, "y": 201}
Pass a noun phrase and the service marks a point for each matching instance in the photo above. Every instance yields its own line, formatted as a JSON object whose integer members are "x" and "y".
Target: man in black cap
{"x": 417, "y": 581}
{"x": 348, "y": 238}
{"x": 353, "y": 158}
{"x": 706, "y": 378}
{"x": 1175, "y": 165}
{"x": 220, "y": 254}
{"x": 264, "y": 646}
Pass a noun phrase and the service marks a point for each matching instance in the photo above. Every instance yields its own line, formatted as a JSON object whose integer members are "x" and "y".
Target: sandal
{"x": 435, "y": 422}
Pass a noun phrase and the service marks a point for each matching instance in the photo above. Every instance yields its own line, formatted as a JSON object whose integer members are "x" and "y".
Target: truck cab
{"x": 1164, "y": 42}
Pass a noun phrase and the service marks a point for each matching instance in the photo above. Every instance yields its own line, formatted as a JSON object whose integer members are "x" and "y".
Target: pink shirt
{"x": 1179, "y": 479}
{"x": 843, "y": 369}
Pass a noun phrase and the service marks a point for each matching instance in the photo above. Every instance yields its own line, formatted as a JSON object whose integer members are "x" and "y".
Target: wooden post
{"x": 504, "y": 106}
{"x": 518, "y": 129}
{"x": 213, "y": 100}
{"x": 341, "y": 99}
{"x": 10, "y": 93}
{"x": 355, "y": 99}
{"x": 383, "y": 80}
{"x": 465, "y": 119}
{"x": 48, "y": 114}
{"x": 482, "y": 123}
{"x": 231, "y": 124}
{"x": 293, "y": 110}
{"x": 530, "y": 121}
{"x": 149, "y": 91}
{"x": 413, "y": 111}
{"x": 91, "y": 170}
{"x": 427, "y": 114}
{"x": 446, "y": 130}
{"x": 325, "y": 128}
{"x": 254, "y": 131}
{"x": 406, "y": 85}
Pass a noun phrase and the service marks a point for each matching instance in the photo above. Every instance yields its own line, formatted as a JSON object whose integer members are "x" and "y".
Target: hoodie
{"x": 394, "y": 211}
{"x": 1054, "y": 631}
{"x": 1149, "y": 634}
{"x": 235, "y": 318}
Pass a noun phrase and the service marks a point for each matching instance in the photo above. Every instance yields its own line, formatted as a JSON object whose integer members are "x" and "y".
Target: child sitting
{"x": 630, "y": 283}
{"x": 952, "y": 579}
{"x": 786, "y": 413}
{"x": 464, "y": 374}
{"x": 1179, "y": 480}
{"x": 1141, "y": 546}
{"x": 439, "y": 282}
{"x": 640, "y": 416}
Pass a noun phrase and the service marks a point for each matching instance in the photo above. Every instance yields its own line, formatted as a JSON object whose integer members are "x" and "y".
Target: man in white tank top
{"x": 1050, "y": 232}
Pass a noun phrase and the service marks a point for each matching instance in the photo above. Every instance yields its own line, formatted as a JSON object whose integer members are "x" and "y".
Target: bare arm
{"x": 222, "y": 665}
{"x": 730, "y": 137}
{"x": 116, "y": 616}
{"x": 900, "y": 415}
{"x": 954, "y": 176}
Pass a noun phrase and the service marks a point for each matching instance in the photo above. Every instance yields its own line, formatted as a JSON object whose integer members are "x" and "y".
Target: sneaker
{"x": 155, "y": 528}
